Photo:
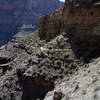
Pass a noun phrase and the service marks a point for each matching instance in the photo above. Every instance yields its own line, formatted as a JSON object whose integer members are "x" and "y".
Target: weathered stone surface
{"x": 4, "y": 60}
{"x": 4, "y": 67}
{"x": 46, "y": 63}
{"x": 58, "y": 96}
{"x": 82, "y": 21}
{"x": 85, "y": 84}
{"x": 79, "y": 18}
{"x": 62, "y": 64}
{"x": 50, "y": 25}
{"x": 35, "y": 85}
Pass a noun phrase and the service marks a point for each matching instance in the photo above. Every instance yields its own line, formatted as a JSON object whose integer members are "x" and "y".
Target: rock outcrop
{"x": 62, "y": 65}
{"x": 83, "y": 85}
{"x": 79, "y": 18}
{"x": 37, "y": 66}
{"x": 82, "y": 19}
{"x": 50, "y": 25}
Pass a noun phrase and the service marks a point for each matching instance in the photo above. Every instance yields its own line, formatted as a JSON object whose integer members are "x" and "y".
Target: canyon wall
{"x": 79, "y": 18}
{"x": 50, "y": 25}
{"x": 82, "y": 18}
{"x": 31, "y": 67}
{"x": 15, "y": 13}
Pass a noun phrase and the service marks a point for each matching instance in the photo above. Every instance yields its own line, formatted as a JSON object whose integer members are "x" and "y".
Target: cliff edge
{"x": 61, "y": 61}
{"x": 79, "y": 18}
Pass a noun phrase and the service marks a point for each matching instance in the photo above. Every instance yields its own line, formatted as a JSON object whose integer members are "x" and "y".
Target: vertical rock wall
{"x": 79, "y": 17}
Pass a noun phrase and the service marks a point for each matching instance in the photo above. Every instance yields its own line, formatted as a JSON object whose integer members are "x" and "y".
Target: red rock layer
{"x": 83, "y": 18}
{"x": 80, "y": 17}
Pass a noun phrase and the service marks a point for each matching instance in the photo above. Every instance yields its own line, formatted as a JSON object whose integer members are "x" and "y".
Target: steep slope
{"x": 82, "y": 85}
{"x": 81, "y": 18}
{"x": 56, "y": 58}
{"x": 35, "y": 66}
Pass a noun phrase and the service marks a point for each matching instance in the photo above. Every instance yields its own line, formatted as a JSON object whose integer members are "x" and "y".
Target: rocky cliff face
{"x": 65, "y": 63}
{"x": 82, "y": 18}
{"x": 13, "y": 14}
{"x": 79, "y": 17}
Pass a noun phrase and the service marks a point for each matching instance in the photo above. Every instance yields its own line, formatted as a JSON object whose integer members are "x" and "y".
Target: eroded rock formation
{"x": 65, "y": 64}
{"x": 81, "y": 20}
{"x": 50, "y": 25}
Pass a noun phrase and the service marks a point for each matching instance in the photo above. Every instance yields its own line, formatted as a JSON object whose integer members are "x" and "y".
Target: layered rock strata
{"x": 79, "y": 18}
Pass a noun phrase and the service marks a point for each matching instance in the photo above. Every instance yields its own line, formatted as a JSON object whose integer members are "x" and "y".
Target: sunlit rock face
{"x": 15, "y": 13}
